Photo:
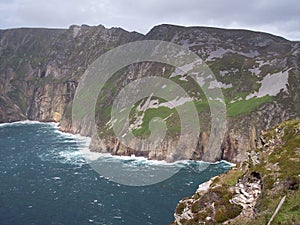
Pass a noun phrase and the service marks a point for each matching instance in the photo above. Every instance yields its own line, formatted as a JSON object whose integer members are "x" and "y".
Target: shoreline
{"x": 91, "y": 155}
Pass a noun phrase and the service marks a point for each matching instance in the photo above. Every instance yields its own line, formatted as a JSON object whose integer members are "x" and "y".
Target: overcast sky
{"x": 280, "y": 17}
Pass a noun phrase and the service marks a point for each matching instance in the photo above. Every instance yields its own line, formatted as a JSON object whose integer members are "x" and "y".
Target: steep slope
{"x": 40, "y": 68}
{"x": 258, "y": 73}
{"x": 22, "y": 53}
{"x": 250, "y": 192}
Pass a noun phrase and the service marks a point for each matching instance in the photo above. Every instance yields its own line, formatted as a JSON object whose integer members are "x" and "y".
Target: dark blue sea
{"x": 44, "y": 179}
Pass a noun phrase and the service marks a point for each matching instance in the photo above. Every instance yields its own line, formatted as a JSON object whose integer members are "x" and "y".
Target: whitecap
{"x": 134, "y": 162}
{"x": 117, "y": 217}
{"x": 82, "y": 154}
{"x": 22, "y": 122}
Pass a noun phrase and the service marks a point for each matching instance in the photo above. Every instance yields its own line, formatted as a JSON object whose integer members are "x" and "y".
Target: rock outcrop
{"x": 250, "y": 192}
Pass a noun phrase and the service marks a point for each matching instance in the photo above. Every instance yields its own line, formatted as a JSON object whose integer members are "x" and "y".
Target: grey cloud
{"x": 274, "y": 16}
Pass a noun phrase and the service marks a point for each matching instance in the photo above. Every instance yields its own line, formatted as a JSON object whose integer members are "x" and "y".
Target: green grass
{"x": 162, "y": 112}
{"x": 246, "y": 106}
{"x": 275, "y": 183}
{"x": 173, "y": 120}
{"x": 286, "y": 157}
{"x": 232, "y": 177}
{"x": 290, "y": 210}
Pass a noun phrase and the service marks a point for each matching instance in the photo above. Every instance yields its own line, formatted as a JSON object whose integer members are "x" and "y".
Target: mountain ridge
{"x": 155, "y": 26}
{"x": 219, "y": 29}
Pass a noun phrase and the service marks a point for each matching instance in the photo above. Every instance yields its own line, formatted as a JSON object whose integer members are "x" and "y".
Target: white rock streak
{"x": 154, "y": 104}
{"x": 180, "y": 71}
{"x": 176, "y": 102}
{"x": 216, "y": 84}
{"x": 272, "y": 84}
{"x": 256, "y": 70}
{"x": 221, "y": 51}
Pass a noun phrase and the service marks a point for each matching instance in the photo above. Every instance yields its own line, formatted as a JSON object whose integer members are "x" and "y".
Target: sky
{"x": 279, "y": 17}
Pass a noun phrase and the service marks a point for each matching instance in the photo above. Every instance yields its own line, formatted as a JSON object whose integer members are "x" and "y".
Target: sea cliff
{"x": 258, "y": 73}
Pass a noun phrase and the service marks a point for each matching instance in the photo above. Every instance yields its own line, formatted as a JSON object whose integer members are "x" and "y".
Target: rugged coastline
{"x": 41, "y": 68}
{"x": 250, "y": 192}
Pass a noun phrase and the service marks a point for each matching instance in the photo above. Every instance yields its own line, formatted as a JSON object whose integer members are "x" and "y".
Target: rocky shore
{"x": 250, "y": 192}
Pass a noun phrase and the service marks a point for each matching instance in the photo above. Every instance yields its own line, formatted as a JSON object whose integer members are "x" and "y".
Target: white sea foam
{"x": 22, "y": 122}
{"x": 229, "y": 163}
{"x": 137, "y": 161}
{"x": 204, "y": 186}
{"x": 69, "y": 155}
{"x": 89, "y": 155}
{"x": 83, "y": 155}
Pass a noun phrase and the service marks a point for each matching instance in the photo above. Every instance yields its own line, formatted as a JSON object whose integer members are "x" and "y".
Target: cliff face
{"x": 258, "y": 73}
{"x": 250, "y": 192}
{"x": 40, "y": 68}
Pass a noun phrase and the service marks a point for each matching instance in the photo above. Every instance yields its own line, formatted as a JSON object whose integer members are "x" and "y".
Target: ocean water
{"x": 44, "y": 179}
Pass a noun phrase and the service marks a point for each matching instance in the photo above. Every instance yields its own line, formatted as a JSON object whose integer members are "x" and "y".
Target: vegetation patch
{"x": 180, "y": 208}
{"x": 278, "y": 170}
{"x": 246, "y": 106}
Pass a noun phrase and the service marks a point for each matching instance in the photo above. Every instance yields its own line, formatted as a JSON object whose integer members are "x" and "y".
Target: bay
{"x": 44, "y": 179}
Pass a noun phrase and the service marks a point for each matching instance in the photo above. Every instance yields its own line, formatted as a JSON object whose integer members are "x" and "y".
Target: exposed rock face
{"x": 247, "y": 193}
{"x": 250, "y": 192}
{"x": 187, "y": 213}
{"x": 41, "y": 68}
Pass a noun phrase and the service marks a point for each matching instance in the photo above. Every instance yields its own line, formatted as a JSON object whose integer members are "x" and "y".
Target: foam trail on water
{"x": 133, "y": 161}
{"x": 72, "y": 154}
{"x": 83, "y": 155}
{"x": 24, "y": 122}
